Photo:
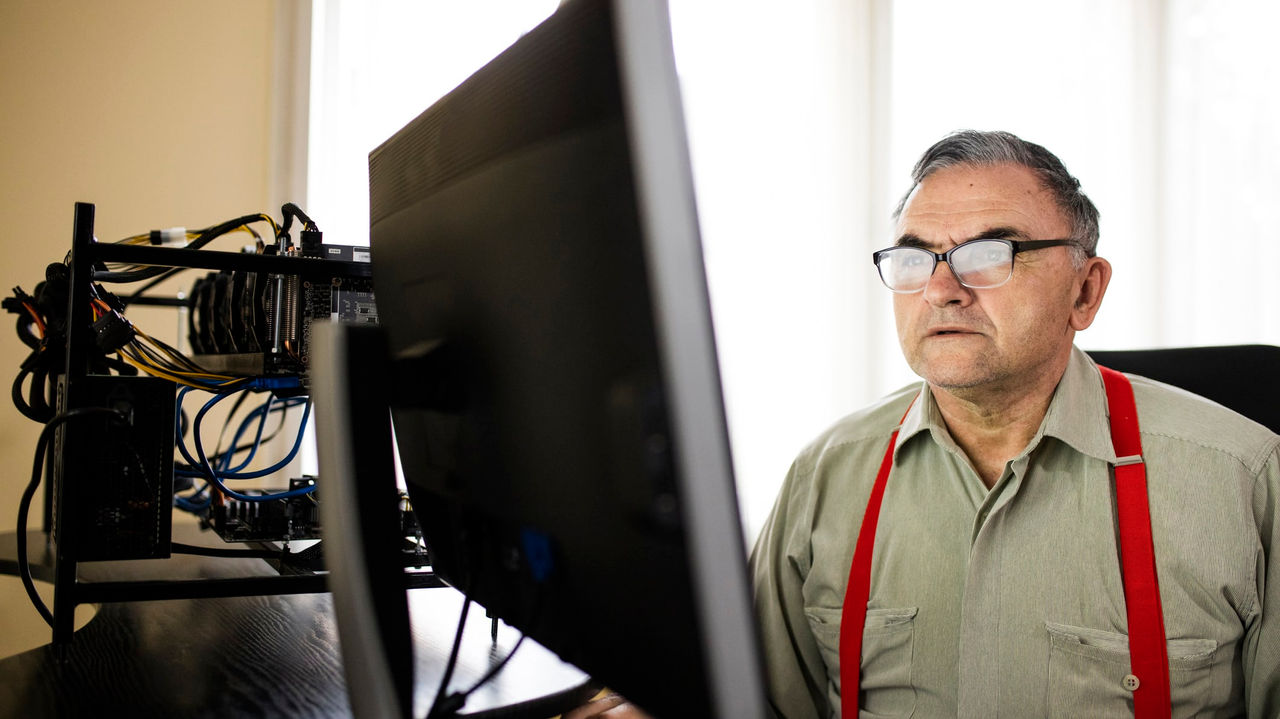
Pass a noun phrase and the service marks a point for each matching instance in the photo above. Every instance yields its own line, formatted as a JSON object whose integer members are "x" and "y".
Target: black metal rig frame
{"x": 70, "y": 589}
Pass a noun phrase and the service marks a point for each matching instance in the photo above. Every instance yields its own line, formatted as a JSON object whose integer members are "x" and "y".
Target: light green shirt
{"x": 1010, "y": 602}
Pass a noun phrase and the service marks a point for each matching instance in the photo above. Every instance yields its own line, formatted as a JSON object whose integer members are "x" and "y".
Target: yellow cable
{"x": 160, "y": 373}
{"x": 142, "y": 358}
{"x": 178, "y": 358}
{"x": 175, "y": 377}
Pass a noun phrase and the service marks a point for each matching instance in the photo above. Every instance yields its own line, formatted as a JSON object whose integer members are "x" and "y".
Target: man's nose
{"x": 943, "y": 288}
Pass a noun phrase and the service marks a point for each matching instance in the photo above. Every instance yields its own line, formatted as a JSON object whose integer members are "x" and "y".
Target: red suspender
{"x": 853, "y": 615}
{"x": 1148, "y": 654}
{"x": 1148, "y": 657}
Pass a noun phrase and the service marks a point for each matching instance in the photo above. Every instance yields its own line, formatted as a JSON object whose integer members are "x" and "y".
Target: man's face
{"x": 1004, "y": 338}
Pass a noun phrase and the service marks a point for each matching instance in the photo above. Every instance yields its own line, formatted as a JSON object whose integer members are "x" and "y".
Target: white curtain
{"x": 804, "y": 119}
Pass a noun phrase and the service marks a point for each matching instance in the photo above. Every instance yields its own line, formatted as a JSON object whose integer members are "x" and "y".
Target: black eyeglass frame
{"x": 1015, "y": 246}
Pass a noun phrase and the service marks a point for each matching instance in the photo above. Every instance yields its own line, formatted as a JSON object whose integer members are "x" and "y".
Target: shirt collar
{"x": 1077, "y": 413}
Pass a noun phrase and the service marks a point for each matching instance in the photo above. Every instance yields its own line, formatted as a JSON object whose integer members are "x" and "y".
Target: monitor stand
{"x": 358, "y": 515}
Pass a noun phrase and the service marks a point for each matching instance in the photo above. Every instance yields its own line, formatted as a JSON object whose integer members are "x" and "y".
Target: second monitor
{"x": 557, "y": 400}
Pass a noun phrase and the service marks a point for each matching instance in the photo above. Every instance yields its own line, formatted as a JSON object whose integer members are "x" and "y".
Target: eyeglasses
{"x": 978, "y": 264}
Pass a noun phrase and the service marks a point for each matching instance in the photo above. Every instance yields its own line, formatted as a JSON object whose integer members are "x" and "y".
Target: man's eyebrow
{"x": 1001, "y": 233}
{"x": 909, "y": 239}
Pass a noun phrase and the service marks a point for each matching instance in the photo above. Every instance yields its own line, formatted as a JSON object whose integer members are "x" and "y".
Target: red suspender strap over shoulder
{"x": 853, "y": 615}
{"x": 1149, "y": 663}
{"x": 1148, "y": 653}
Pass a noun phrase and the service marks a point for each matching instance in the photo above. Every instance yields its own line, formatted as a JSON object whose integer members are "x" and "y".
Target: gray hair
{"x": 984, "y": 149}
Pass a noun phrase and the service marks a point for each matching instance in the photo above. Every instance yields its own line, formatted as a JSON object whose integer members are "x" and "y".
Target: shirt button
{"x": 1131, "y": 682}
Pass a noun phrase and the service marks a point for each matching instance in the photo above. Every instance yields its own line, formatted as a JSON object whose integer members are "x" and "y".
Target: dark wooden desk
{"x": 267, "y": 656}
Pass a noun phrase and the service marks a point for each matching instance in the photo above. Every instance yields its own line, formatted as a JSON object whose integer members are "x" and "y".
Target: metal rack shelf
{"x": 80, "y": 582}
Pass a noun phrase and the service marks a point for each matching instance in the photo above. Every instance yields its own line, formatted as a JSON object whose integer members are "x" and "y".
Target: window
{"x": 804, "y": 120}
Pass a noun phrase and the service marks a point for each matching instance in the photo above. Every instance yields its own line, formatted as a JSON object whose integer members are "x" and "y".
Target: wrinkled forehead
{"x": 960, "y": 203}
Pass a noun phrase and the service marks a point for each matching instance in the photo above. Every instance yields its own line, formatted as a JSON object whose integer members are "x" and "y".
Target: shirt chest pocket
{"x": 1088, "y": 668}
{"x": 888, "y": 640}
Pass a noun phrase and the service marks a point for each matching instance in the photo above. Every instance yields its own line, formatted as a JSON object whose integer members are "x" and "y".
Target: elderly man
{"x": 981, "y": 544}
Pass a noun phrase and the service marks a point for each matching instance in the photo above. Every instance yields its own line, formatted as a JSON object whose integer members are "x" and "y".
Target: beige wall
{"x": 160, "y": 112}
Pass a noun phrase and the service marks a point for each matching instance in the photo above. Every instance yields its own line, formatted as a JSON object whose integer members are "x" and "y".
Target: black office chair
{"x": 1245, "y": 378}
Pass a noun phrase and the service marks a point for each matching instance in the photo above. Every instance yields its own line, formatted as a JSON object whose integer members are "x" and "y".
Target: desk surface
{"x": 268, "y": 656}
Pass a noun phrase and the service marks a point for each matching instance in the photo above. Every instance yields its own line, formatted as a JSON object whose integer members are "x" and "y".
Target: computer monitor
{"x": 555, "y": 394}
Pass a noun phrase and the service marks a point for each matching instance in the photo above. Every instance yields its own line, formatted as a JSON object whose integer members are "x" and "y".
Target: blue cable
{"x": 221, "y": 393}
{"x": 186, "y": 505}
{"x": 204, "y": 468}
{"x": 182, "y": 440}
{"x": 216, "y": 478}
{"x": 195, "y": 425}
{"x": 261, "y": 411}
{"x": 297, "y": 444}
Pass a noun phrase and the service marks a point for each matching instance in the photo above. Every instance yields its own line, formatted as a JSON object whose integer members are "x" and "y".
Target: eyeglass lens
{"x": 978, "y": 264}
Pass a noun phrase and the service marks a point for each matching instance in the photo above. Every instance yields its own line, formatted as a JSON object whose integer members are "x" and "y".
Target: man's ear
{"x": 1094, "y": 278}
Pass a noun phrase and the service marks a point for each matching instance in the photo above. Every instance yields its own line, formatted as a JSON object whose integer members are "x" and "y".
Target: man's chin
{"x": 951, "y": 367}
{"x": 958, "y": 384}
{"x": 955, "y": 375}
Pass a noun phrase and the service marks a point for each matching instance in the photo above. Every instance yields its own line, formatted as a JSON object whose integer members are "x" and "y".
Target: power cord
{"x": 449, "y": 704}
{"x": 439, "y": 707}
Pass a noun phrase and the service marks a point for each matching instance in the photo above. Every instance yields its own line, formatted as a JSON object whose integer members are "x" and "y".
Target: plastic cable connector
{"x": 289, "y": 382}
{"x": 112, "y": 331}
{"x": 172, "y": 237}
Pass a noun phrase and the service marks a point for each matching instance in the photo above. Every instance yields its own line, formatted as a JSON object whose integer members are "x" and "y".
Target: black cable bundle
{"x": 46, "y": 311}
{"x": 204, "y": 237}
